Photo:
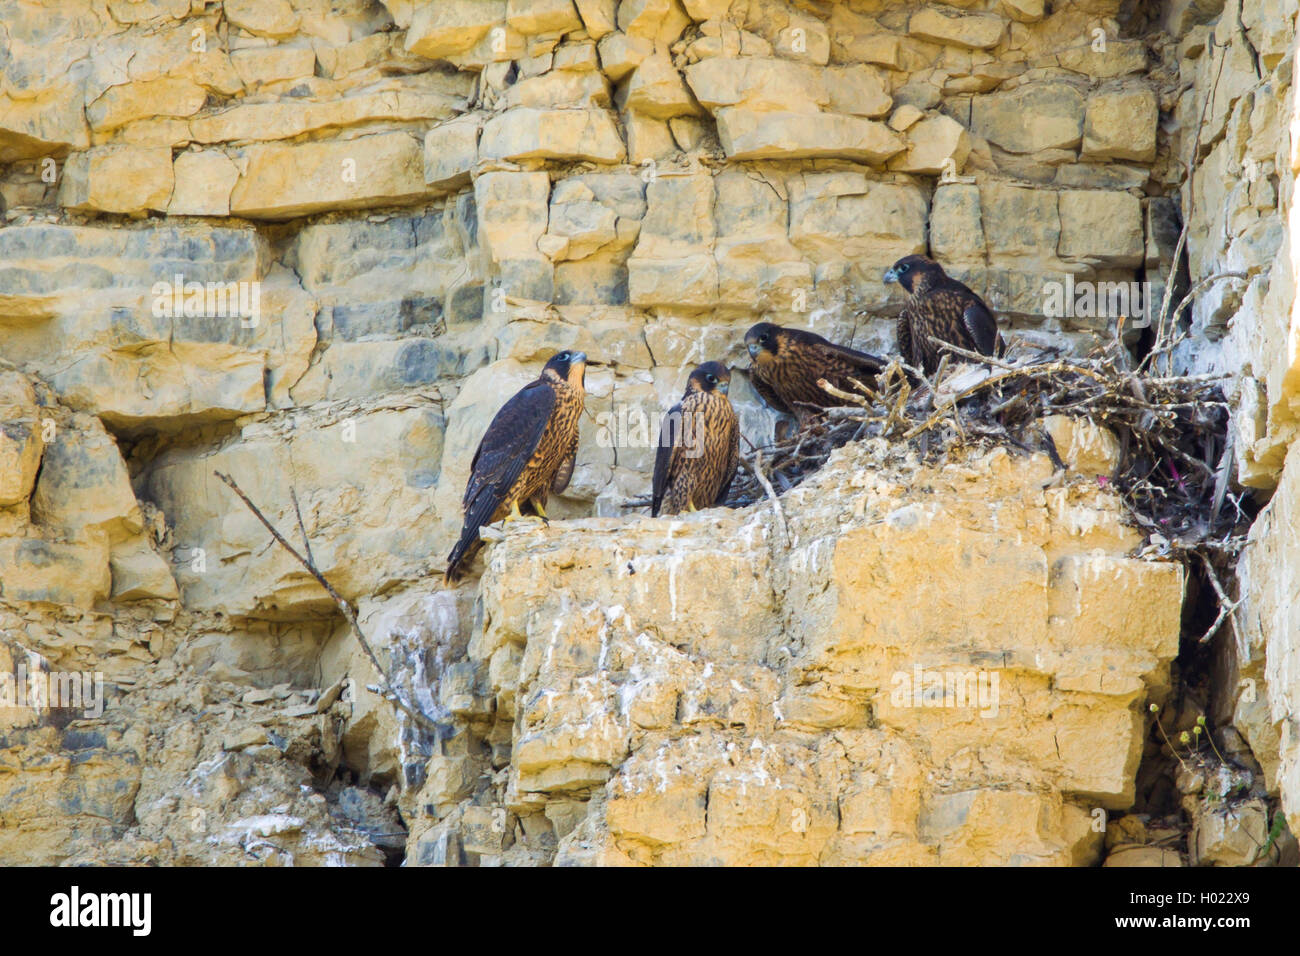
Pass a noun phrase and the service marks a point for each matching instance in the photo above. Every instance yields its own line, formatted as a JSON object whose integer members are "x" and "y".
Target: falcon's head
{"x": 568, "y": 366}
{"x": 709, "y": 377}
{"x": 916, "y": 274}
{"x": 763, "y": 342}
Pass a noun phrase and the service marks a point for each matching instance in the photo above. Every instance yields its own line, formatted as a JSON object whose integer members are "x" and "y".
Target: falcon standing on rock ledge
{"x": 699, "y": 446}
{"x": 528, "y": 451}
{"x": 939, "y": 306}
{"x": 788, "y": 362}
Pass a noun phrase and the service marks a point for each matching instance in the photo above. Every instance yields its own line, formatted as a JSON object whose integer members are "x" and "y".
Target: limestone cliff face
{"x": 314, "y": 245}
{"x": 1239, "y": 209}
{"x": 703, "y": 690}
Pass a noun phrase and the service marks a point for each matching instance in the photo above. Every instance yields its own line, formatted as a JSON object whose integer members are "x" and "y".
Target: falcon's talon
{"x": 517, "y": 515}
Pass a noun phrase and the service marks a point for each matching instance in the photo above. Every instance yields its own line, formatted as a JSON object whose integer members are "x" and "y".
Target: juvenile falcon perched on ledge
{"x": 788, "y": 362}
{"x": 699, "y": 445}
{"x": 528, "y": 451}
{"x": 940, "y": 306}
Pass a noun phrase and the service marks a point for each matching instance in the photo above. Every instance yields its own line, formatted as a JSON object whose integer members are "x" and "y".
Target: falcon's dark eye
{"x": 713, "y": 380}
{"x": 764, "y": 338}
{"x": 564, "y": 356}
{"x": 903, "y": 268}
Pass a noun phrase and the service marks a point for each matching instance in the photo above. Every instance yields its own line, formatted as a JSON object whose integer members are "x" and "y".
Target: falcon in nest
{"x": 940, "y": 306}
{"x": 788, "y": 362}
{"x": 527, "y": 452}
{"x": 699, "y": 445}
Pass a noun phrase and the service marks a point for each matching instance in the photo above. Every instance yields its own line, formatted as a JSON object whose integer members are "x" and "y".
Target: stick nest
{"x": 1174, "y": 461}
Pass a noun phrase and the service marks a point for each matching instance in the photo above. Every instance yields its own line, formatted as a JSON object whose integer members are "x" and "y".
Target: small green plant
{"x": 1275, "y": 831}
{"x": 1200, "y": 723}
{"x": 1155, "y": 709}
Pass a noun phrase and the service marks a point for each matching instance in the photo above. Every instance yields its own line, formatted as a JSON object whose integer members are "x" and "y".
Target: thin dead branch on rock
{"x": 388, "y": 691}
{"x": 756, "y": 469}
{"x": 1227, "y": 606}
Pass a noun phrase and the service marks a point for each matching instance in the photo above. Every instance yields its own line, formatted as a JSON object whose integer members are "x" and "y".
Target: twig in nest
{"x": 928, "y": 387}
{"x": 869, "y": 392}
{"x": 897, "y": 417}
{"x": 349, "y": 615}
{"x": 1170, "y": 432}
{"x": 840, "y": 393}
{"x": 972, "y": 356}
{"x": 1056, "y": 365}
{"x": 756, "y": 466}
{"x": 939, "y": 374}
{"x": 851, "y": 412}
{"x": 1205, "y": 377}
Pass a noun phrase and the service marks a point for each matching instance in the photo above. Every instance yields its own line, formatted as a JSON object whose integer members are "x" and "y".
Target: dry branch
{"x": 1164, "y": 325}
{"x": 1227, "y": 606}
{"x": 388, "y": 690}
{"x": 756, "y": 468}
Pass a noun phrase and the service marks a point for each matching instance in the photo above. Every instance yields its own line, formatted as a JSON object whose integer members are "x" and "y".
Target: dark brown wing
{"x": 981, "y": 326}
{"x": 869, "y": 364}
{"x": 768, "y": 395}
{"x": 958, "y": 316}
{"x": 733, "y": 459}
{"x": 504, "y": 451}
{"x": 507, "y": 446}
{"x": 670, "y": 439}
{"x": 565, "y": 472}
{"x": 938, "y": 315}
{"x": 906, "y": 347}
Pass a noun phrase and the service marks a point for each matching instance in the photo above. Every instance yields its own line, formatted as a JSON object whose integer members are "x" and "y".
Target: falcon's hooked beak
{"x": 722, "y": 387}
{"x": 891, "y": 275}
{"x": 762, "y": 341}
{"x": 758, "y": 354}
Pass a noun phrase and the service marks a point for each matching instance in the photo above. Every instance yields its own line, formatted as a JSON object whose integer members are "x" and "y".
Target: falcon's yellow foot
{"x": 690, "y": 507}
{"x": 541, "y": 512}
{"x": 516, "y": 515}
